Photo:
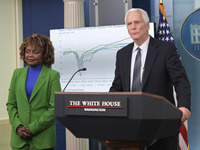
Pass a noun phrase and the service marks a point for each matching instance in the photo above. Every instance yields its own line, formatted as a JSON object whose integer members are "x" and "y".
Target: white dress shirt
{"x": 144, "y": 48}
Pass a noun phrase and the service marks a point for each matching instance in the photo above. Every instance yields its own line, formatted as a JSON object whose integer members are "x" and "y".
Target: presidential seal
{"x": 190, "y": 34}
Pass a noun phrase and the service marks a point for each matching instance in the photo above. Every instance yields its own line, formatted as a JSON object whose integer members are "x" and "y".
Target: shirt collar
{"x": 143, "y": 47}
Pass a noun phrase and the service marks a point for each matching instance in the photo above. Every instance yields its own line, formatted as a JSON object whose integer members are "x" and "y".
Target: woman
{"x": 30, "y": 103}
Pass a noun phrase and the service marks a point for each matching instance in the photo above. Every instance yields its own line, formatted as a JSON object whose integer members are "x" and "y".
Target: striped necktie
{"x": 136, "y": 86}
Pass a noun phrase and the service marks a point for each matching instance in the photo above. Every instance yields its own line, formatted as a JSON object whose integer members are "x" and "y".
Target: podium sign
{"x": 124, "y": 116}
{"x": 96, "y": 105}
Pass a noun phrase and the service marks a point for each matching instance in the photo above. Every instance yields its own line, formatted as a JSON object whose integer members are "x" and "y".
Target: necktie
{"x": 136, "y": 86}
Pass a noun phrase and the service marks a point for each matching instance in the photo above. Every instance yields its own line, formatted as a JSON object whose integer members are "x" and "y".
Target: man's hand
{"x": 186, "y": 114}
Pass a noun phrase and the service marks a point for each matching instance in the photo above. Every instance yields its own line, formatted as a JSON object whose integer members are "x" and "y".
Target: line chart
{"x": 88, "y": 54}
{"x": 93, "y": 48}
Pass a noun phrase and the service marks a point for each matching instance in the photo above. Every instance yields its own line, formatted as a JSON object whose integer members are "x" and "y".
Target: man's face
{"x": 137, "y": 28}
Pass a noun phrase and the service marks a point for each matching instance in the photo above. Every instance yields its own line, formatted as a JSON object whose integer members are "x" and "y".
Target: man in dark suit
{"x": 160, "y": 70}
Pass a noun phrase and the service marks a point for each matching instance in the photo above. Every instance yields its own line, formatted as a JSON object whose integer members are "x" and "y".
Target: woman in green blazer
{"x": 31, "y": 96}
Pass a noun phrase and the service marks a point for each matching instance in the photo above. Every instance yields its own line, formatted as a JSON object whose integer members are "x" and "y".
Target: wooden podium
{"x": 125, "y": 120}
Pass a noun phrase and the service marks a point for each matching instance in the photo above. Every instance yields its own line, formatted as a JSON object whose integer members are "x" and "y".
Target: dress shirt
{"x": 144, "y": 48}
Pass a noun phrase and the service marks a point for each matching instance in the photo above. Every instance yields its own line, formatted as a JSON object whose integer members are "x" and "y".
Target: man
{"x": 159, "y": 70}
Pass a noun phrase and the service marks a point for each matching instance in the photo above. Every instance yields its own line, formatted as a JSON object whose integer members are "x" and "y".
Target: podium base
{"x": 109, "y": 148}
{"x": 129, "y": 148}
{"x": 125, "y": 145}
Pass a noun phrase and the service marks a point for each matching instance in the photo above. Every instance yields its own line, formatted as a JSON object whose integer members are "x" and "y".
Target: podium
{"x": 117, "y": 119}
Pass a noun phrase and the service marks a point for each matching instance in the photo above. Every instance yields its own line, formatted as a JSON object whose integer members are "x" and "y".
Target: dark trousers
{"x": 169, "y": 143}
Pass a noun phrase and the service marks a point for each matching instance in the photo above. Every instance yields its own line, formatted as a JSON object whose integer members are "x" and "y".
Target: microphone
{"x": 83, "y": 69}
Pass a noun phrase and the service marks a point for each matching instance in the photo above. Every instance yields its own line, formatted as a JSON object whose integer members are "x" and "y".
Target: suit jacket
{"x": 38, "y": 112}
{"x": 162, "y": 71}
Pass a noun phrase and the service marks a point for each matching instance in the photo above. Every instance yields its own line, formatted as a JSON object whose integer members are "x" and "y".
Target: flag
{"x": 164, "y": 34}
{"x": 164, "y": 31}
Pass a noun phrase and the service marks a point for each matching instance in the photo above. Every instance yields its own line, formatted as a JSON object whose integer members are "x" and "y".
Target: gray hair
{"x": 143, "y": 12}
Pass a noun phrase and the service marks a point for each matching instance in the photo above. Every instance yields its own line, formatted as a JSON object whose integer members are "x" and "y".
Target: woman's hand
{"x": 24, "y": 132}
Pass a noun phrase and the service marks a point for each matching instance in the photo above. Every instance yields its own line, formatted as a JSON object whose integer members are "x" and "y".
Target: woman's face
{"x": 33, "y": 56}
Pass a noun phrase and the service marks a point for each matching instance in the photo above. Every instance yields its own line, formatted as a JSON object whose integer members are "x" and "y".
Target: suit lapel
{"x": 39, "y": 83}
{"x": 150, "y": 58}
{"x": 128, "y": 66}
{"x": 22, "y": 81}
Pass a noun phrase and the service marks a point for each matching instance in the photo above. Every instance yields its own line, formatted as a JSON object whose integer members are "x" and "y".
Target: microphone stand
{"x": 83, "y": 69}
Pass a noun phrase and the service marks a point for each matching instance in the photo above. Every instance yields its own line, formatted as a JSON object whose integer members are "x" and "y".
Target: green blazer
{"x": 38, "y": 112}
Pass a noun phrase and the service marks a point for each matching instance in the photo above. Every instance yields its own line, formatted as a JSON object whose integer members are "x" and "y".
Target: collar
{"x": 143, "y": 47}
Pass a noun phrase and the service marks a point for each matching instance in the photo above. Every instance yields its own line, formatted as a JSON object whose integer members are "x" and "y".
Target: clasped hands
{"x": 24, "y": 132}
